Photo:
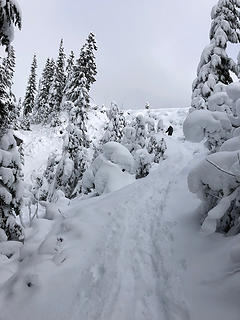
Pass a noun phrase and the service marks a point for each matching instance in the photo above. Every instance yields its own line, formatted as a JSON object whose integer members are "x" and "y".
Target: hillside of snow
{"x": 133, "y": 254}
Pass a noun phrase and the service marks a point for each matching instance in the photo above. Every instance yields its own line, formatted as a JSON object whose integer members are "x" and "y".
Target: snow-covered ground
{"x": 133, "y": 254}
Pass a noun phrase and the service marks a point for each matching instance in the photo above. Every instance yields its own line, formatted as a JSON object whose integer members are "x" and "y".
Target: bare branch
{"x": 219, "y": 168}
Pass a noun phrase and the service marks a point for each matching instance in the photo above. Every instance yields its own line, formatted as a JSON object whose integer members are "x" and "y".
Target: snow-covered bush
{"x": 216, "y": 181}
{"x": 157, "y": 147}
{"x": 143, "y": 163}
{"x": 110, "y": 171}
{"x": 43, "y": 183}
{"x": 150, "y": 126}
{"x": 129, "y": 138}
{"x": 114, "y": 129}
{"x": 73, "y": 163}
{"x": 141, "y": 134}
{"x": 214, "y": 126}
{"x": 160, "y": 127}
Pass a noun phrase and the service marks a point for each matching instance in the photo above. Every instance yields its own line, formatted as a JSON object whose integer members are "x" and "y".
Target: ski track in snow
{"x": 135, "y": 261}
{"x": 128, "y": 271}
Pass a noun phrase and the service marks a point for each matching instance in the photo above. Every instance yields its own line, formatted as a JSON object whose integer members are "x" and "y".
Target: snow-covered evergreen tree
{"x": 8, "y": 72}
{"x": 150, "y": 126}
{"x": 141, "y": 134}
{"x": 129, "y": 138}
{"x": 58, "y": 85}
{"x": 74, "y": 160}
{"x": 160, "y": 127}
{"x": 42, "y": 106}
{"x": 87, "y": 60}
{"x": 29, "y": 100}
{"x": 10, "y": 187}
{"x": 114, "y": 129}
{"x": 143, "y": 161}
{"x": 70, "y": 64}
{"x": 10, "y": 16}
{"x": 157, "y": 147}
{"x": 77, "y": 93}
{"x": 10, "y": 162}
{"x": 215, "y": 65}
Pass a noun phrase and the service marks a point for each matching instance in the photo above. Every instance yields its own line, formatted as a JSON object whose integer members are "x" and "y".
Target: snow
{"x": 111, "y": 170}
{"x": 135, "y": 253}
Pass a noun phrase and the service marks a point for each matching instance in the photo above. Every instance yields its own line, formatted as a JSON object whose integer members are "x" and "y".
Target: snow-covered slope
{"x": 136, "y": 253}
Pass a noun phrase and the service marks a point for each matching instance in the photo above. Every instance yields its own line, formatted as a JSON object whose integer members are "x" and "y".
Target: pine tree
{"x": 9, "y": 17}
{"x": 28, "y": 103}
{"x": 143, "y": 162}
{"x": 70, "y": 64}
{"x": 8, "y": 72}
{"x": 114, "y": 130}
{"x": 74, "y": 159}
{"x": 77, "y": 93}
{"x": 215, "y": 65}
{"x": 141, "y": 134}
{"x": 58, "y": 85}
{"x": 87, "y": 60}
{"x": 10, "y": 162}
{"x": 42, "y": 106}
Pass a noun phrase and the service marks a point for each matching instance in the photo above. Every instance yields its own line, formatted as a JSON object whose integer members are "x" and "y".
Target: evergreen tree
{"x": 10, "y": 163}
{"x": 114, "y": 130}
{"x": 157, "y": 147}
{"x": 9, "y": 17}
{"x": 28, "y": 103}
{"x": 143, "y": 161}
{"x": 10, "y": 187}
{"x": 70, "y": 64}
{"x": 42, "y": 106}
{"x": 58, "y": 85}
{"x": 141, "y": 134}
{"x": 77, "y": 93}
{"x": 8, "y": 72}
{"x": 215, "y": 65}
{"x": 74, "y": 159}
{"x": 87, "y": 60}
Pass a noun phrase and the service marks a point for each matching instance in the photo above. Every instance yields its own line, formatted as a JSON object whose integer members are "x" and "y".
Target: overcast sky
{"x": 148, "y": 50}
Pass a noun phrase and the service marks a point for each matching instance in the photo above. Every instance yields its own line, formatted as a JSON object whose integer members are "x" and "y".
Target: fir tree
{"x": 77, "y": 93}
{"x": 9, "y": 17}
{"x": 115, "y": 128}
{"x": 215, "y": 65}
{"x": 141, "y": 134}
{"x": 10, "y": 162}
{"x": 42, "y": 106}
{"x": 28, "y": 103}
{"x": 70, "y": 64}
{"x": 74, "y": 159}
{"x": 8, "y": 72}
{"x": 87, "y": 60}
{"x": 58, "y": 85}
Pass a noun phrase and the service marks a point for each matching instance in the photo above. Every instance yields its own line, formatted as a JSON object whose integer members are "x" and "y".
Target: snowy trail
{"x": 134, "y": 254}
{"x": 116, "y": 257}
{"x": 136, "y": 278}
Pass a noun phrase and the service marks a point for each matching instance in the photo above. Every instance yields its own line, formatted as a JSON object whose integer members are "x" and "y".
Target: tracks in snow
{"x": 133, "y": 275}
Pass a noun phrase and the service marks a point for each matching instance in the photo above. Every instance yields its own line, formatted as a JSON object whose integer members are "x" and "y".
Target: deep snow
{"x": 137, "y": 253}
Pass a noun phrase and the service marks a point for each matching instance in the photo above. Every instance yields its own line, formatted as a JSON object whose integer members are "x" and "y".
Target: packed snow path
{"x": 115, "y": 260}
{"x": 133, "y": 276}
{"x": 134, "y": 254}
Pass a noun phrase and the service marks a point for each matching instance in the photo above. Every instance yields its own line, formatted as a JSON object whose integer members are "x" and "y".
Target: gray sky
{"x": 148, "y": 50}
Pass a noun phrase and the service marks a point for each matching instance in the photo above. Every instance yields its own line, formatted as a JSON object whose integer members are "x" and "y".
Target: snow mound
{"x": 111, "y": 170}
